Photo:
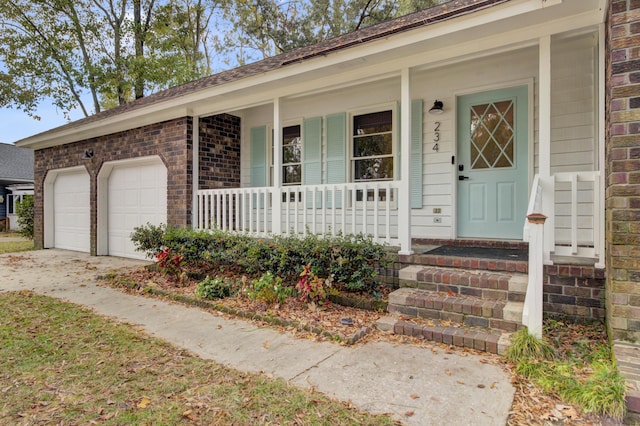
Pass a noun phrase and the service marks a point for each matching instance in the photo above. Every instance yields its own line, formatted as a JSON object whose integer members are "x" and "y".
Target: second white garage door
{"x": 137, "y": 195}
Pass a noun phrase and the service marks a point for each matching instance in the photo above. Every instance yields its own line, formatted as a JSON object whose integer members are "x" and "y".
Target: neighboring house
{"x": 16, "y": 181}
{"x": 447, "y": 125}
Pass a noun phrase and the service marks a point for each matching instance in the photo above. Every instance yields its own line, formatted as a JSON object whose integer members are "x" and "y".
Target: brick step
{"x": 482, "y": 339}
{"x": 487, "y": 285}
{"x": 468, "y": 310}
{"x": 520, "y": 266}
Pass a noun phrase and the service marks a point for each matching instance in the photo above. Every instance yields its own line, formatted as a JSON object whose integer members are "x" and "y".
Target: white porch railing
{"x": 577, "y": 216}
{"x": 349, "y": 208}
{"x": 575, "y": 230}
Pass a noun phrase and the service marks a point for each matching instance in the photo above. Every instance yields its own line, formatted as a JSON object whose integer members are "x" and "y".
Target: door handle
{"x": 460, "y": 177}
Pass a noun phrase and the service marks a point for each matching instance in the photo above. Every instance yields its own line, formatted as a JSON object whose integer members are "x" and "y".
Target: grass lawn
{"x": 60, "y": 364}
{"x": 13, "y": 246}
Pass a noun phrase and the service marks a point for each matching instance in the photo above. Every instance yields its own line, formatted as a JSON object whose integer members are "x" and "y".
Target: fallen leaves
{"x": 144, "y": 402}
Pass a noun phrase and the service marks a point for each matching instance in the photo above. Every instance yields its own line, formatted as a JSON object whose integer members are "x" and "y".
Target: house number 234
{"x": 436, "y": 136}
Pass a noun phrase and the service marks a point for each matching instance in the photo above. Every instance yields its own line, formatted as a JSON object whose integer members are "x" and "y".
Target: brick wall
{"x": 574, "y": 291}
{"x": 219, "y": 152}
{"x": 170, "y": 140}
{"x": 623, "y": 170}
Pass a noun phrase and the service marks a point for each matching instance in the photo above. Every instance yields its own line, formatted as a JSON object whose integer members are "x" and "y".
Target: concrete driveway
{"x": 436, "y": 388}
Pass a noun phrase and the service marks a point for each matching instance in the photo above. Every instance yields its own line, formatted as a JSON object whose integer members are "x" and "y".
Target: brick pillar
{"x": 623, "y": 170}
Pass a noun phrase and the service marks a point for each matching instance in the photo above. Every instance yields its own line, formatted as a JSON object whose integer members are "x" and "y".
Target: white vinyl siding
{"x": 573, "y": 104}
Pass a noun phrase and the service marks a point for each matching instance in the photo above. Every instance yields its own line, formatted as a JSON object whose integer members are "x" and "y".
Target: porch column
{"x": 544, "y": 166}
{"x": 404, "y": 203}
{"x": 195, "y": 172}
{"x": 599, "y": 222}
{"x": 276, "y": 200}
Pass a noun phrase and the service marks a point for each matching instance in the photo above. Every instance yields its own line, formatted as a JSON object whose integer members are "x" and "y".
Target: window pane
{"x": 376, "y": 122}
{"x": 291, "y": 154}
{"x": 368, "y": 146}
{"x": 292, "y": 174}
{"x": 375, "y": 168}
{"x": 290, "y": 133}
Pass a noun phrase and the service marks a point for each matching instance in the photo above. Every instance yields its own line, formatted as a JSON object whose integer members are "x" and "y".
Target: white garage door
{"x": 71, "y": 219}
{"x": 137, "y": 195}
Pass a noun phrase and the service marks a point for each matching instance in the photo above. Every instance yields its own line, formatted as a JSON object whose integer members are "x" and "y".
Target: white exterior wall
{"x": 573, "y": 121}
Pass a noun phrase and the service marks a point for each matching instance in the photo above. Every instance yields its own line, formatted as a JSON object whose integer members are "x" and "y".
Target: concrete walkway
{"x": 377, "y": 377}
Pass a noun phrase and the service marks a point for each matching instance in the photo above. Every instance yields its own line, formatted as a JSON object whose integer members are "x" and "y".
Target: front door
{"x": 493, "y": 163}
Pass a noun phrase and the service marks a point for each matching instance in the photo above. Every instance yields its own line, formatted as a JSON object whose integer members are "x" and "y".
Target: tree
{"x": 262, "y": 28}
{"x": 115, "y": 51}
{"x": 112, "y": 50}
{"x": 25, "y": 213}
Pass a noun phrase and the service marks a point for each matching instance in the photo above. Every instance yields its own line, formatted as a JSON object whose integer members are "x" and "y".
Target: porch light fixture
{"x": 437, "y": 107}
{"x": 88, "y": 154}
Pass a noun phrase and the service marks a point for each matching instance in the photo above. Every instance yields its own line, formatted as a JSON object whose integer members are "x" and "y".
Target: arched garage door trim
{"x": 49, "y": 203}
{"x": 105, "y": 173}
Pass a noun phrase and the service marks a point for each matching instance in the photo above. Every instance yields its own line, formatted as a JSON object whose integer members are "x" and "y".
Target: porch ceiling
{"x": 508, "y": 26}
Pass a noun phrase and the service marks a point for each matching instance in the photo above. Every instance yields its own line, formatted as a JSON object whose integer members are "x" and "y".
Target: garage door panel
{"x": 137, "y": 195}
{"x": 71, "y": 211}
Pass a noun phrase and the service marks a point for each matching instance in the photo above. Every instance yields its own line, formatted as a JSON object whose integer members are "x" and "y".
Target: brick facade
{"x": 623, "y": 170}
{"x": 575, "y": 292}
{"x": 172, "y": 141}
{"x": 219, "y": 152}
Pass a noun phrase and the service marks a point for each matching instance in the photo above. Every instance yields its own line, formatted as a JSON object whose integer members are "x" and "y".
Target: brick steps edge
{"x": 485, "y": 284}
{"x": 467, "y": 310}
{"x": 520, "y": 266}
{"x": 464, "y": 337}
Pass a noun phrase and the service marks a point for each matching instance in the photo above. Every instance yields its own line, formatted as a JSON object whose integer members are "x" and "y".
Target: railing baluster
{"x": 388, "y": 213}
{"x": 324, "y": 210}
{"x": 354, "y": 202}
{"x": 314, "y": 203}
{"x": 343, "y": 225}
{"x": 365, "y": 201}
{"x": 333, "y": 209}
{"x": 269, "y": 200}
{"x": 375, "y": 211}
{"x": 207, "y": 211}
{"x": 223, "y": 212}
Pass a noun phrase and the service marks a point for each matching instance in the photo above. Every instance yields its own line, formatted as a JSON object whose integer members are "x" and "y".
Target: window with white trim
{"x": 291, "y": 156}
{"x": 372, "y": 143}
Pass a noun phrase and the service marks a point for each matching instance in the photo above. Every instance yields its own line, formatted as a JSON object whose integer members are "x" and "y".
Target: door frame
{"x": 531, "y": 114}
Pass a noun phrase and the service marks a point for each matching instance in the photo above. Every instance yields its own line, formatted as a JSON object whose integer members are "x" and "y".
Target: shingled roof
{"x": 448, "y": 10}
{"x": 16, "y": 164}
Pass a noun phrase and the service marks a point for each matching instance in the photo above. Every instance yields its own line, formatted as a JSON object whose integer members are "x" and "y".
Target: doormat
{"x": 481, "y": 252}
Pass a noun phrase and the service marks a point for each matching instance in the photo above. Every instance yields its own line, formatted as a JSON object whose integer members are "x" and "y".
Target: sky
{"x": 16, "y": 125}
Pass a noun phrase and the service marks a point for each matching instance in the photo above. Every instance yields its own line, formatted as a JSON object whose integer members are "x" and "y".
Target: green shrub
{"x": 351, "y": 260}
{"x": 25, "y": 213}
{"x": 268, "y": 289}
{"x": 215, "y": 288}
{"x": 149, "y": 239}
